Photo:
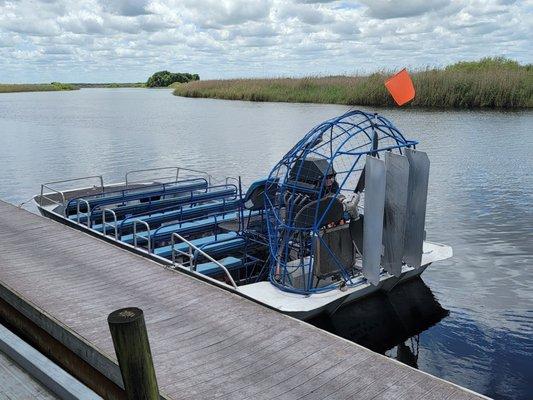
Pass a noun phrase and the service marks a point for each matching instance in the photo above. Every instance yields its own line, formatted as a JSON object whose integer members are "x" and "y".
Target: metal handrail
{"x": 105, "y": 223}
{"x": 46, "y": 185}
{"x": 148, "y": 170}
{"x": 165, "y": 168}
{"x": 87, "y": 213}
{"x": 49, "y": 198}
{"x": 203, "y": 253}
{"x": 147, "y": 238}
{"x": 189, "y": 254}
{"x": 231, "y": 178}
{"x": 209, "y": 177}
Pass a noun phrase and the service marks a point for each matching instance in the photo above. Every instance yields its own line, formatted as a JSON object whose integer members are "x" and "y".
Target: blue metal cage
{"x": 310, "y": 188}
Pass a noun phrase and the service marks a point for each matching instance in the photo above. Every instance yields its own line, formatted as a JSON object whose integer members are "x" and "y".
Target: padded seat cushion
{"x": 166, "y": 251}
{"x": 211, "y": 268}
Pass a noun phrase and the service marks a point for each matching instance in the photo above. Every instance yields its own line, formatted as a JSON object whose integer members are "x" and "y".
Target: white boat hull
{"x": 309, "y": 306}
{"x": 296, "y": 305}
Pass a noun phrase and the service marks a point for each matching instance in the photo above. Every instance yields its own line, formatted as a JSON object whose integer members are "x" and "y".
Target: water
{"x": 477, "y": 331}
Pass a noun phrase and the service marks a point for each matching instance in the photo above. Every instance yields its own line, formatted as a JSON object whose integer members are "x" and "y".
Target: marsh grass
{"x": 44, "y": 87}
{"x": 488, "y": 83}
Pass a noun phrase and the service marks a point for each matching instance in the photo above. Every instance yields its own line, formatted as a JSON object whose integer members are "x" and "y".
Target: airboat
{"x": 340, "y": 216}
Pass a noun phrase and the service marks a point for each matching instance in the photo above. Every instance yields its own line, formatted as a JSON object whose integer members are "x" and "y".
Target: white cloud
{"x": 82, "y": 22}
{"x": 129, "y": 8}
{"x": 219, "y": 13}
{"x": 98, "y": 40}
{"x": 384, "y": 9}
{"x": 306, "y": 13}
{"x": 33, "y": 27}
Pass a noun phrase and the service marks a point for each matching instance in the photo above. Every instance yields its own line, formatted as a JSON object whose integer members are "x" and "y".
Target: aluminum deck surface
{"x": 206, "y": 342}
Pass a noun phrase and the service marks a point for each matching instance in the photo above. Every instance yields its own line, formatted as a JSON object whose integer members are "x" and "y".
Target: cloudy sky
{"x": 127, "y": 40}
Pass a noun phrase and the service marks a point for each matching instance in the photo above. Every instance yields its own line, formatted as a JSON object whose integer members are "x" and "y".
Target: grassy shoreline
{"x": 488, "y": 83}
{"x": 37, "y": 87}
{"x": 57, "y": 86}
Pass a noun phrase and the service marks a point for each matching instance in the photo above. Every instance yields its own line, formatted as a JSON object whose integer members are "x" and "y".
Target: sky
{"x": 127, "y": 41}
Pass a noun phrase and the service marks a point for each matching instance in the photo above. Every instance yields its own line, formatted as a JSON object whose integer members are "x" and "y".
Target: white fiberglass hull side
{"x": 308, "y": 306}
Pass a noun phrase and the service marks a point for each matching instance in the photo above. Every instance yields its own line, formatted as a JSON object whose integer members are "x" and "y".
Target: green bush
{"x": 166, "y": 78}
{"x": 63, "y": 86}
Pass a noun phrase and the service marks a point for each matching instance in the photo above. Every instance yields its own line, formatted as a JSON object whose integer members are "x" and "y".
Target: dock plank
{"x": 17, "y": 384}
{"x": 206, "y": 342}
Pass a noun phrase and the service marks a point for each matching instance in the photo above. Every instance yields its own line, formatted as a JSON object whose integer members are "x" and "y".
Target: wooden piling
{"x": 132, "y": 348}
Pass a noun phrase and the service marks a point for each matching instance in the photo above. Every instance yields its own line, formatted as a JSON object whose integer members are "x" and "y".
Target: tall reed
{"x": 488, "y": 83}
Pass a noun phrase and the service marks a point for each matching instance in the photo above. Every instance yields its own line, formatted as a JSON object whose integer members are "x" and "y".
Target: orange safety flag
{"x": 400, "y": 86}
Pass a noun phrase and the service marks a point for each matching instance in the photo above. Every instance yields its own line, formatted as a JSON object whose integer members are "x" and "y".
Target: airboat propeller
{"x": 314, "y": 218}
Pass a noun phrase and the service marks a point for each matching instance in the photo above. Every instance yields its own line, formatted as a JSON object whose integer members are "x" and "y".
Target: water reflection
{"x": 388, "y": 322}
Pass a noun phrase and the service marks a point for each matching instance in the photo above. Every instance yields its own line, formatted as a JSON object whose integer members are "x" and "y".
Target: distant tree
{"x": 166, "y": 78}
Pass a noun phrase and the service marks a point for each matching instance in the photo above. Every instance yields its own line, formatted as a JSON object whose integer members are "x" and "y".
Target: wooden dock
{"x": 17, "y": 384}
{"x": 206, "y": 342}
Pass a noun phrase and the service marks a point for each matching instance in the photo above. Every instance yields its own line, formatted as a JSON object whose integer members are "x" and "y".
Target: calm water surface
{"x": 470, "y": 321}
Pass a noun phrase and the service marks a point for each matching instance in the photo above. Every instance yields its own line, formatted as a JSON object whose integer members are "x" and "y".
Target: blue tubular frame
{"x": 125, "y": 195}
{"x": 190, "y": 203}
{"x": 190, "y": 200}
{"x": 217, "y": 218}
{"x": 180, "y": 209}
{"x": 343, "y": 142}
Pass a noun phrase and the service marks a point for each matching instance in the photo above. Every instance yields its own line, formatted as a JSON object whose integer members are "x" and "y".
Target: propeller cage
{"x": 310, "y": 233}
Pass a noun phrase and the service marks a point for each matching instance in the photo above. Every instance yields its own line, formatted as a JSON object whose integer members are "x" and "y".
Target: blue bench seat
{"x": 137, "y": 194}
{"x": 183, "y": 228}
{"x": 211, "y": 268}
{"x": 220, "y": 247}
{"x": 133, "y": 209}
{"x": 156, "y": 218}
{"x": 166, "y": 251}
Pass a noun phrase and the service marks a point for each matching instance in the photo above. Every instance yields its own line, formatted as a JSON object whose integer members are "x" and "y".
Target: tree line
{"x": 166, "y": 78}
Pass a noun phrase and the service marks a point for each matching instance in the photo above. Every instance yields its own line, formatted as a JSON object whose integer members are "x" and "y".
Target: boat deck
{"x": 206, "y": 342}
